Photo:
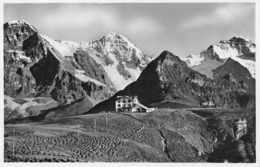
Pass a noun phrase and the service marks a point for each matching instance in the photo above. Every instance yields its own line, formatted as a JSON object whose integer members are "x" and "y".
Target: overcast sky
{"x": 180, "y": 28}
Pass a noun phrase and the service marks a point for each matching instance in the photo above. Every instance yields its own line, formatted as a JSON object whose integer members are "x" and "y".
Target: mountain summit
{"x": 120, "y": 58}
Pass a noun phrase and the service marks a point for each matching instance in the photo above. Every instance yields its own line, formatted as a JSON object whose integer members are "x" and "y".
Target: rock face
{"x": 38, "y": 66}
{"x": 240, "y": 128}
{"x": 169, "y": 79}
{"x": 234, "y": 72}
{"x": 239, "y": 49}
{"x": 121, "y": 59}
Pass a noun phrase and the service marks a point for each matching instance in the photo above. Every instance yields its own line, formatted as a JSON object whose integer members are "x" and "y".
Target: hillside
{"x": 186, "y": 135}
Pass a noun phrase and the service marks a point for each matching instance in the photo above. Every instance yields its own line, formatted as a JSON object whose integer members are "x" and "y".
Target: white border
{"x": 257, "y": 164}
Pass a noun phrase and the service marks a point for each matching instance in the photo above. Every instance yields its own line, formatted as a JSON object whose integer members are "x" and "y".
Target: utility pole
{"x": 95, "y": 122}
{"x": 13, "y": 141}
{"x": 106, "y": 119}
{"x": 78, "y": 133}
{"x": 106, "y": 123}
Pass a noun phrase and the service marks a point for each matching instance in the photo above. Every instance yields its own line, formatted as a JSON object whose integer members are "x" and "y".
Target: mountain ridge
{"x": 214, "y": 55}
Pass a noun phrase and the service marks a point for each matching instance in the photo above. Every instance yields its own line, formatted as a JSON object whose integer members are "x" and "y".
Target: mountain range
{"x": 168, "y": 82}
{"x": 237, "y": 48}
{"x": 58, "y": 78}
{"x": 62, "y": 72}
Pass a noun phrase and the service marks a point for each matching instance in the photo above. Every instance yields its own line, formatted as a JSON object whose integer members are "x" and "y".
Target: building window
{"x": 129, "y": 105}
{"x": 118, "y": 105}
{"x": 124, "y": 101}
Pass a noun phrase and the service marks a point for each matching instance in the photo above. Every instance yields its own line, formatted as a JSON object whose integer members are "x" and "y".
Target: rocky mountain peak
{"x": 165, "y": 61}
{"x": 238, "y": 48}
{"x": 239, "y": 39}
{"x": 237, "y": 45}
{"x": 122, "y": 60}
{"x": 15, "y": 32}
{"x": 114, "y": 35}
{"x": 167, "y": 56}
{"x": 20, "y": 23}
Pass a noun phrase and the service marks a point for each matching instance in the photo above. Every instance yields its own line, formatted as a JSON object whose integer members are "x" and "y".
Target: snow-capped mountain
{"x": 38, "y": 66}
{"x": 237, "y": 48}
{"x": 120, "y": 58}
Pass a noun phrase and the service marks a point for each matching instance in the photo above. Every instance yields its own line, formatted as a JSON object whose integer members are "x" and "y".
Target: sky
{"x": 181, "y": 28}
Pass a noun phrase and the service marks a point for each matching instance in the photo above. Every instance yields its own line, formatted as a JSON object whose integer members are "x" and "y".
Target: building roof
{"x": 125, "y": 96}
{"x": 141, "y": 105}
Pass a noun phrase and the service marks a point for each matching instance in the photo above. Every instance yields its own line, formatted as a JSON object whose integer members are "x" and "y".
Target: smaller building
{"x": 208, "y": 104}
{"x": 130, "y": 104}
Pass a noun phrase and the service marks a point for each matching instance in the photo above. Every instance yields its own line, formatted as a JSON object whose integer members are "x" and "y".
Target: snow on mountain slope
{"x": 81, "y": 76}
{"x": 117, "y": 38}
{"x": 215, "y": 55}
{"x": 62, "y": 48}
{"x": 249, "y": 64}
{"x": 193, "y": 60}
{"x": 19, "y": 55}
{"x": 121, "y": 59}
{"x": 208, "y": 66}
{"x": 127, "y": 61}
{"x": 67, "y": 49}
{"x": 225, "y": 53}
